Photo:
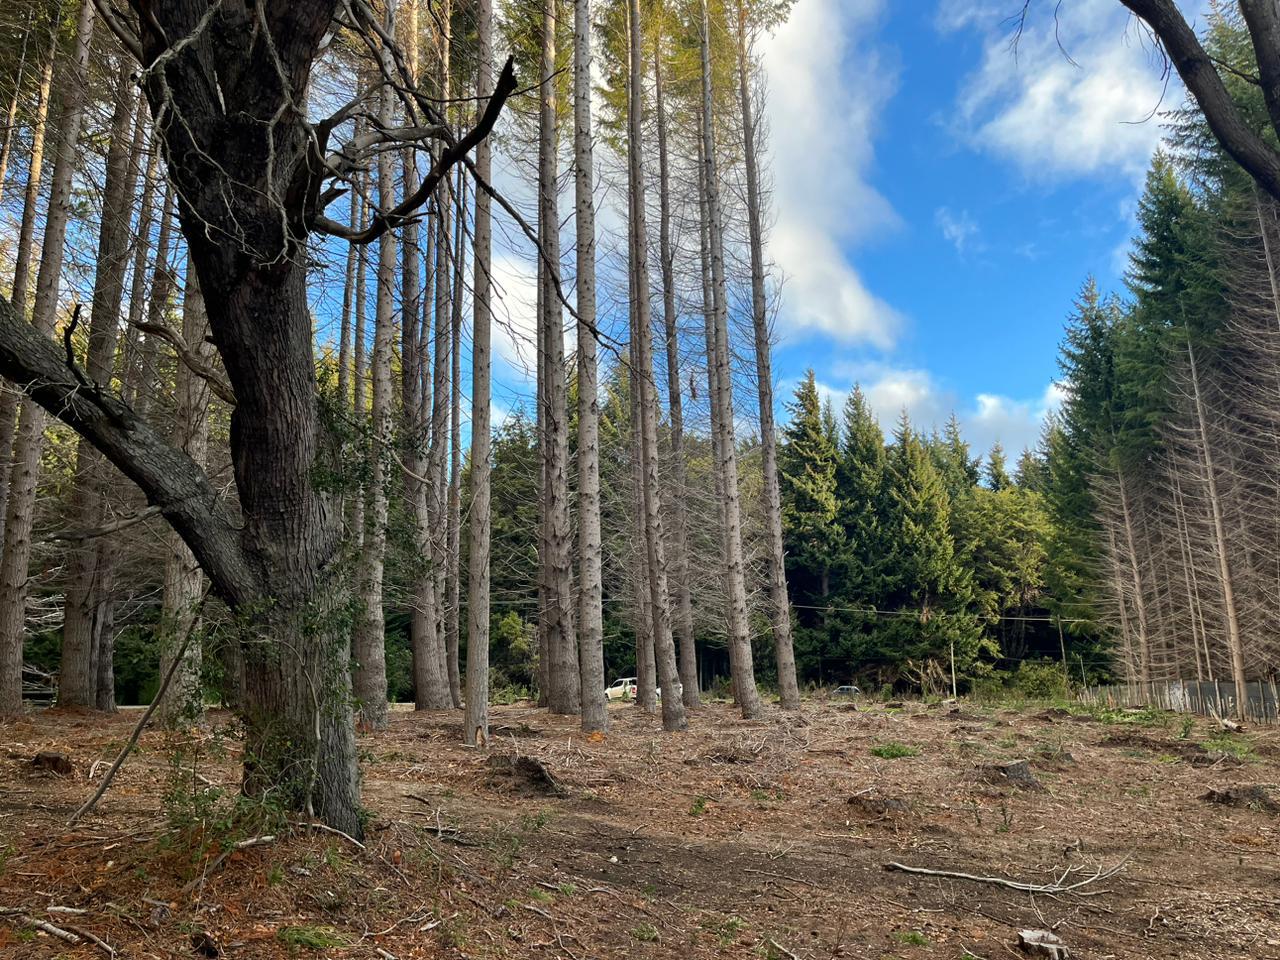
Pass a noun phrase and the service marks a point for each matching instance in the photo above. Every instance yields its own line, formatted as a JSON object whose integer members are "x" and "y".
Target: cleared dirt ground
{"x": 737, "y": 839}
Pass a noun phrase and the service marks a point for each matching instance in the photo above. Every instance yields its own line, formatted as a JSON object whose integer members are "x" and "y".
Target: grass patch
{"x": 912, "y": 938}
{"x": 313, "y": 938}
{"x": 1232, "y": 746}
{"x": 699, "y": 807}
{"x": 645, "y": 933}
{"x": 893, "y": 750}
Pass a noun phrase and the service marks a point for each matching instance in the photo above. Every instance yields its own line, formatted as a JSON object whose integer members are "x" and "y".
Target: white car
{"x": 625, "y": 689}
{"x": 622, "y": 689}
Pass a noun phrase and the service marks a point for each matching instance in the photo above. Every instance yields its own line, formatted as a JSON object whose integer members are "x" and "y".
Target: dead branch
{"x": 1047, "y": 888}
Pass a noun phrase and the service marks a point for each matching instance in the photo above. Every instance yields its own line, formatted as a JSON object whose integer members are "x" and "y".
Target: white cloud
{"x": 988, "y": 417}
{"x": 958, "y": 229}
{"x": 1078, "y": 95}
{"x": 826, "y": 89}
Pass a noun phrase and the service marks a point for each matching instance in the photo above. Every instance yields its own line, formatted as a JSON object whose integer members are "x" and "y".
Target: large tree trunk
{"x": 740, "y": 656}
{"x": 183, "y": 581}
{"x": 476, "y": 723}
{"x": 28, "y": 441}
{"x": 595, "y": 714}
{"x": 683, "y": 618}
{"x": 91, "y": 562}
{"x": 563, "y": 690}
{"x": 22, "y": 261}
{"x": 664, "y": 648}
{"x": 770, "y": 495}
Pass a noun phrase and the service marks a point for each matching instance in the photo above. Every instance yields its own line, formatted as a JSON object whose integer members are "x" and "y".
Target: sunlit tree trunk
{"x": 595, "y": 716}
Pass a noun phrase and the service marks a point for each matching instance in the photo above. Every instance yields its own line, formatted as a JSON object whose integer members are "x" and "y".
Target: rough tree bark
{"x": 454, "y": 612}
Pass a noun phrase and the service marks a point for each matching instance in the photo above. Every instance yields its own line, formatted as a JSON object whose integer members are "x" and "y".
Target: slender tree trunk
{"x": 595, "y": 714}
{"x": 455, "y": 454}
{"x": 770, "y": 495}
{"x": 740, "y": 656}
{"x": 683, "y": 618}
{"x": 28, "y": 441}
{"x": 22, "y": 261}
{"x": 1139, "y": 599}
{"x": 646, "y": 663}
{"x": 183, "y": 580}
{"x": 370, "y": 685}
{"x": 1235, "y": 646}
{"x": 91, "y": 562}
{"x": 664, "y": 648}
{"x": 563, "y": 691}
{"x": 476, "y": 723}
{"x": 430, "y": 684}
{"x": 441, "y": 399}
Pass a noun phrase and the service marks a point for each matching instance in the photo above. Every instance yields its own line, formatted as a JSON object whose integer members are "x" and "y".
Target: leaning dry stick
{"x": 76, "y": 937}
{"x": 1058, "y": 887}
{"x": 137, "y": 730}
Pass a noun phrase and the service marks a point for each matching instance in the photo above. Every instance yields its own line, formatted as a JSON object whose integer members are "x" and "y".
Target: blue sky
{"x": 939, "y": 201}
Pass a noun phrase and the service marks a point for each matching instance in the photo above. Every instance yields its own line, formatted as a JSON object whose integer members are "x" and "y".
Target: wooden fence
{"x": 1215, "y": 698}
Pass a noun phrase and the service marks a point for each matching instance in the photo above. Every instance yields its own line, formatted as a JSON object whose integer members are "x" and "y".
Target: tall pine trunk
{"x": 683, "y": 617}
{"x": 370, "y": 631}
{"x": 561, "y": 643}
{"x": 770, "y": 494}
{"x": 595, "y": 715}
{"x": 740, "y": 656}
{"x": 664, "y": 649}
{"x": 91, "y": 563}
{"x": 476, "y": 722}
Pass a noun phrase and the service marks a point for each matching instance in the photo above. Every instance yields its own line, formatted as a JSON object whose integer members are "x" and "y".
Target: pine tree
{"x": 996, "y": 472}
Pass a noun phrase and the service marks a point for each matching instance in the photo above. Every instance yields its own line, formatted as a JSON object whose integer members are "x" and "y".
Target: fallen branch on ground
{"x": 77, "y": 937}
{"x": 1058, "y": 887}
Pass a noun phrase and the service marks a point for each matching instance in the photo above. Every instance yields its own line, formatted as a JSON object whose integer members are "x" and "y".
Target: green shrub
{"x": 1041, "y": 680}
{"x": 893, "y": 750}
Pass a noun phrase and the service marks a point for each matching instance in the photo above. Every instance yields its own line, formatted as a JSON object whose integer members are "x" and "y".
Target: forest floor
{"x": 765, "y": 839}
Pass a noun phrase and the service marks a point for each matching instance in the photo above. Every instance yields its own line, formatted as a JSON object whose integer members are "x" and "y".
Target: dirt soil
{"x": 763, "y": 839}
